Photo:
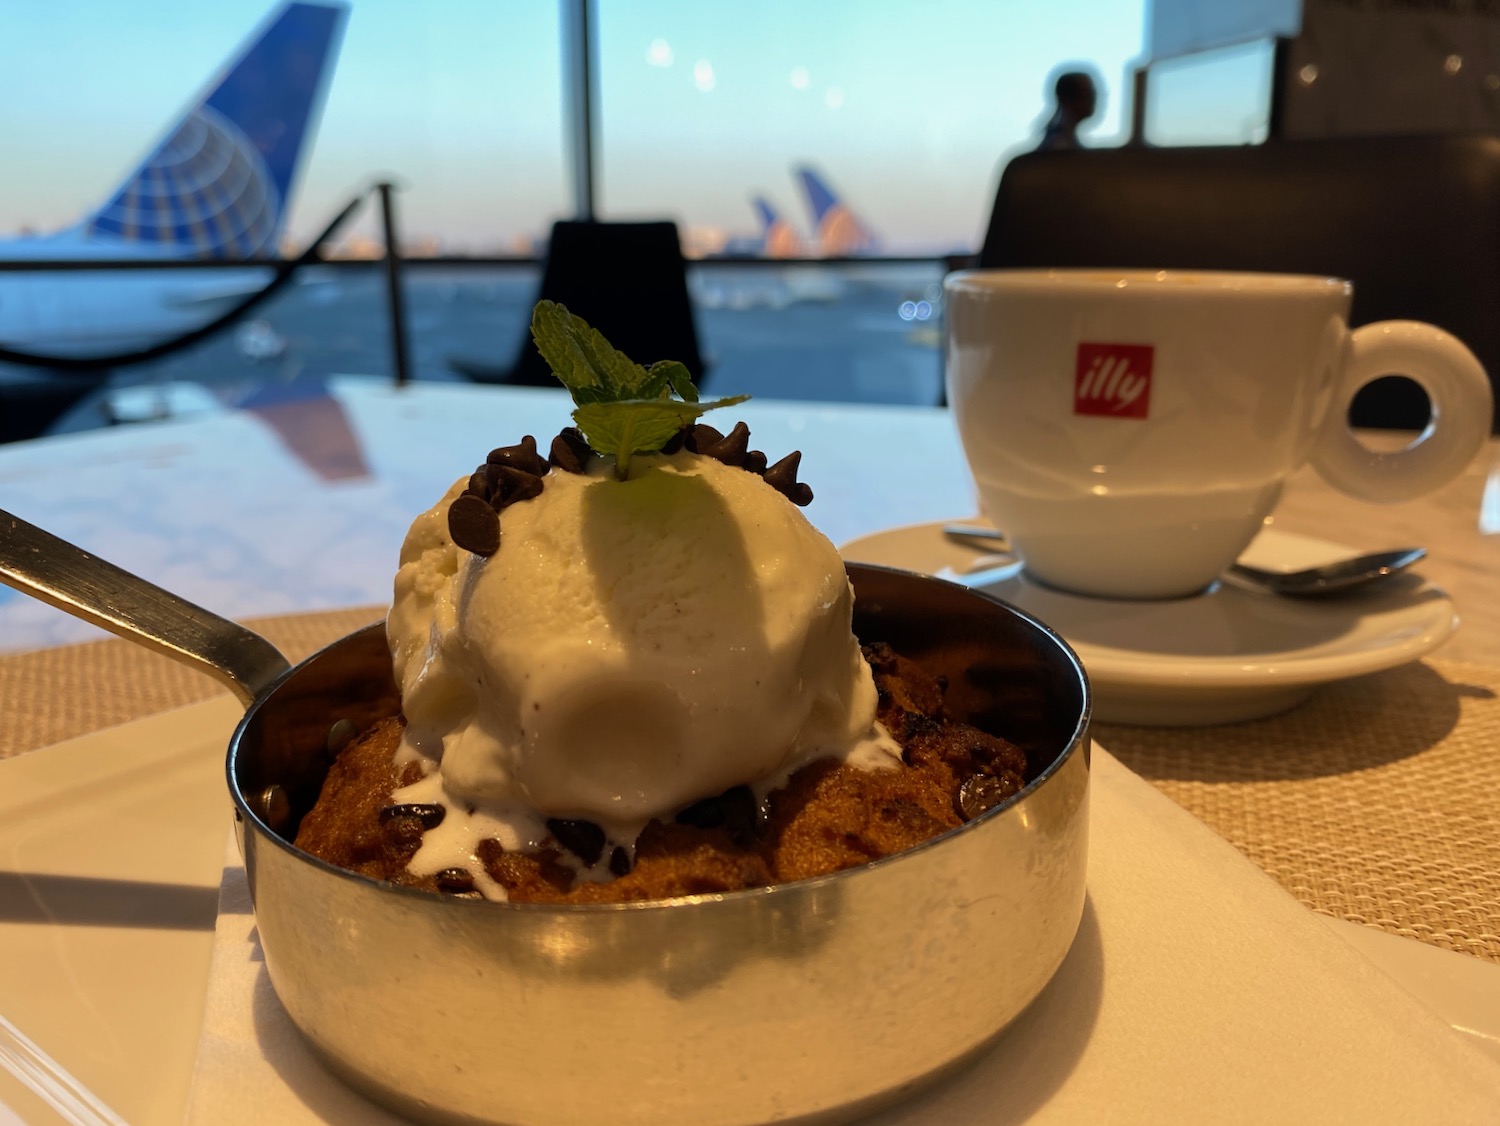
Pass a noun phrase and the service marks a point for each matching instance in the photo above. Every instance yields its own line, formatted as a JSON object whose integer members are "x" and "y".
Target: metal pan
{"x": 816, "y": 1000}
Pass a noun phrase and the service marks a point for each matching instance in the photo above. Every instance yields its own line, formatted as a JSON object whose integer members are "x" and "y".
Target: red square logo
{"x": 1113, "y": 380}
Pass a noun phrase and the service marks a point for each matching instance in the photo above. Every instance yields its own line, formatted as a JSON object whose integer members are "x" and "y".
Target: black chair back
{"x": 629, "y": 281}
{"x": 1413, "y": 222}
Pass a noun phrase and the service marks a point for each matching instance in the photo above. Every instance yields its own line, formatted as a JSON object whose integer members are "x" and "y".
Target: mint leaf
{"x": 635, "y": 426}
{"x": 675, "y": 374}
{"x": 590, "y": 367}
{"x": 623, "y": 408}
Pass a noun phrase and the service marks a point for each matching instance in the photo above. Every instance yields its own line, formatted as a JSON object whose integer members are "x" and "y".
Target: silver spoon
{"x": 1312, "y": 582}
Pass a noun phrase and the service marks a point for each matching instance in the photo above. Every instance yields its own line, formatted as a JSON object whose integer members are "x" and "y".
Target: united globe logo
{"x": 205, "y": 190}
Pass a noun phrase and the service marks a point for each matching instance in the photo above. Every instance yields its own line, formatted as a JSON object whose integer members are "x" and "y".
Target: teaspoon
{"x": 1312, "y": 582}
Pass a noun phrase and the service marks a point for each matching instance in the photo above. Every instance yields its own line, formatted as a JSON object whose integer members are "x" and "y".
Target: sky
{"x": 907, "y": 109}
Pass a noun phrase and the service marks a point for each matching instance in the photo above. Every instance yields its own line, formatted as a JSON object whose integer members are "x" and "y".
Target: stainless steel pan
{"x": 816, "y": 1000}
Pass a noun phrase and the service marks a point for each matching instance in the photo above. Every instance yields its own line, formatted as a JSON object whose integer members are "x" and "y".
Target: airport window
{"x": 856, "y": 144}
{"x": 1220, "y": 97}
{"x": 841, "y": 129}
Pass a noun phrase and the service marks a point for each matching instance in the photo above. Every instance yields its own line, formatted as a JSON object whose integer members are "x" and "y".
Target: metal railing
{"x": 283, "y": 270}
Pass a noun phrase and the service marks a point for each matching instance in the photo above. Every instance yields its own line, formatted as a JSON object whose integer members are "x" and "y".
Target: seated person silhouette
{"x": 1077, "y": 99}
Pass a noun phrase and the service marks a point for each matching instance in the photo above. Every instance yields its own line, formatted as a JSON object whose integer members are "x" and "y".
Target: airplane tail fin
{"x": 217, "y": 186}
{"x": 839, "y": 231}
{"x": 778, "y": 239}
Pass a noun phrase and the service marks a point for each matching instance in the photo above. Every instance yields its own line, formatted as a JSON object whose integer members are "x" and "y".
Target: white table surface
{"x": 217, "y": 507}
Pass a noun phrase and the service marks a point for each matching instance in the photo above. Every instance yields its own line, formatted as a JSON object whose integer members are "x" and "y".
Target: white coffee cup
{"x": 1129, "y": 430}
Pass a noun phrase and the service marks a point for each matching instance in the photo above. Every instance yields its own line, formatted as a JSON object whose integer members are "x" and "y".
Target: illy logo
{"x": 1113, "y": 380}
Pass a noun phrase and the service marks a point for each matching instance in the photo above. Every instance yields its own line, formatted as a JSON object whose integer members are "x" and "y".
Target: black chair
{"x": 1413, "y": 222}
{"x": 629, "y": 281}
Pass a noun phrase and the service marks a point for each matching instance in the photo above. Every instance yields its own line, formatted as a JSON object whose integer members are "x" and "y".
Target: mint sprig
{"x": 622, "y": 407}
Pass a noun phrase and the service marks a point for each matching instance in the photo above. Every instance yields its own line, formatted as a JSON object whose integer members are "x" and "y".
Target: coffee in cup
{"x": 1130, "y": 430}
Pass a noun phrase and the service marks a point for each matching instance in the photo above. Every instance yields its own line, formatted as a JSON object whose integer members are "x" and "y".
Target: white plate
{"x": 111, "y": 850}
{"x": 1223, "y": 656}
{"x": 102, "y": 985}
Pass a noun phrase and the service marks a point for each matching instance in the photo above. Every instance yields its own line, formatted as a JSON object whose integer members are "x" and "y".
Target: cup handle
{"x": 1462, "y": 406}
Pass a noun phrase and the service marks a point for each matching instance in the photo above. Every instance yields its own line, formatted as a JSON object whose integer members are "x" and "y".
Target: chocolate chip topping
{"x": 700, "y": 437}
{"x": 430, "y": 816}
{"x": 454, "y": 881}
{"x": 522, "y": 456}
{"x": 735, "y": 809}
{"x": 509, "y": 486}
{"x": 509, "y": 474}
{"x": 570, "y": 451}
{"x": 619, "y": 862}
{"x": 473, "y": 524}
{"x": 514, "y": 473}
{"x": 783, "y": 478}
{"x": 583, "y": 839}
{"x": 732, "y": 448}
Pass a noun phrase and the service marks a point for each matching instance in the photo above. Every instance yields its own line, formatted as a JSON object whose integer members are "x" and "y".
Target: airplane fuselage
{"x": 84, "y": 312}
{"x": 215, "y": 187}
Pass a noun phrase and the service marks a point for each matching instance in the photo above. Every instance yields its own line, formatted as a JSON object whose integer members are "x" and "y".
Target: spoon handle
{"x": 67, "y": 577}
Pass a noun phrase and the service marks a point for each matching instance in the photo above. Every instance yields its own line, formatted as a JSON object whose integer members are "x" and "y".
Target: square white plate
{"x": 111, "y": 849}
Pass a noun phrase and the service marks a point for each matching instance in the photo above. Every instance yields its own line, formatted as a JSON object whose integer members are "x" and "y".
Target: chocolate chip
{"x": 978, "y": 794}
{"x": 522, "y": 456}
{"x": 570, "y": 451}
{"x": 783, "y": 478}
{"x": 731, "y": 448}
{"x": 676, "y": 441}
{"x": 619, "y": 861}
{"x": 513, "y": 486}
{"x": 479, "y": 484}
{"x": 430, "y": 815}
{"x": 455, "y": 881}
{"x": 701, "y": 436}
{"x": 473, "y": 525}
{"x": 735, "y": 809}
{"x": 274, "y": 807}
{"x": 705, "y": 814}
{"x": 583, "y": 839}
{"x": 755, "y": 461}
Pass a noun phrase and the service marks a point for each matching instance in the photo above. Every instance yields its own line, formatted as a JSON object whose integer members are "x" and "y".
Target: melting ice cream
{"x": 633, "y": 646}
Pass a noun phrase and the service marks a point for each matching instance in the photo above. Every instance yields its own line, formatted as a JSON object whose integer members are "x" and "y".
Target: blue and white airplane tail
{"x": 778, "y": 238}
{"x": 218, "y": 185}
{"x": 838, "y": 231}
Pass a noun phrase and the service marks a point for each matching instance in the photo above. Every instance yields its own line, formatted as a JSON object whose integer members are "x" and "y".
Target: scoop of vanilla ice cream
{"x": 632, "y": 647}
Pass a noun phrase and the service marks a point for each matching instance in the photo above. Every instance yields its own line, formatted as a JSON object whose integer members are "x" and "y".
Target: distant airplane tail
{"x": 839, "y": 231}
{"x": 218, "y": 186}
{"x": 778, "y": 239}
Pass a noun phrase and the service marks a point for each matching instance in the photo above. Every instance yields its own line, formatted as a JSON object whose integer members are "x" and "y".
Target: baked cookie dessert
{"x": 627, "y": 671}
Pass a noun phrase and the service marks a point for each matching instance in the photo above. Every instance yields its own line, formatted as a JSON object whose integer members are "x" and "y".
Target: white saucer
{"x": 1226, "y": 655}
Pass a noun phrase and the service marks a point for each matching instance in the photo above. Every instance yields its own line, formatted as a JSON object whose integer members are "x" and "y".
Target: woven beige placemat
{"x": 55, "y": 694}
{"x": 1377, "y": 801}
